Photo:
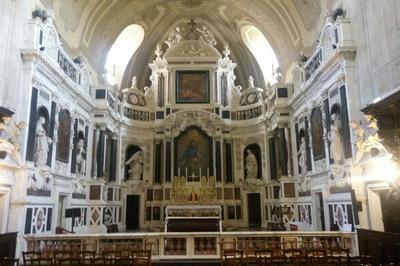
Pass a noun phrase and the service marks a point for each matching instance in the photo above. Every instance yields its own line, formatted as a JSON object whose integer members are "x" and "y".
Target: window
{"x": 121, "y": 52}
{"x": 262, "y": 51}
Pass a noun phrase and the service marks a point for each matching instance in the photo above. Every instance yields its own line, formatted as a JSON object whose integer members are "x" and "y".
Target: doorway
{"x": 319, "y": 211}
{"x": 62, "y": 204}
{"x": 132, "y": 212}
{"x": 254, "y": 209}
{"x": 3, "y": 212}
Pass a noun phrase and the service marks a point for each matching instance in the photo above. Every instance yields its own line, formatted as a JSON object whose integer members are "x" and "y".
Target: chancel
{"x": 210, "y": 132}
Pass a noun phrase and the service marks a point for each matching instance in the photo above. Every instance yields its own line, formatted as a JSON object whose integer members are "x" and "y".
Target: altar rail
{"x": 196, "y": 245}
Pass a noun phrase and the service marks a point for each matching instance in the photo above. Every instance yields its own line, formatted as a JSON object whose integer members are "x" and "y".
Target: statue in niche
{"x": 80, "y": 157}
{"x": 135, "y": 163}
{"x": 207, "y": 35}
{"x": 303, "y": 156}
{"x": 42, "y": 142}
{"x": 174, "y": 37}
{"x": 251, "y": 165}
{"x": 335, "y": 137}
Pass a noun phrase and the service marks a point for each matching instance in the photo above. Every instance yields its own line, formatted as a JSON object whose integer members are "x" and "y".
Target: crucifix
{"x": 193, "y": 176}
{"x": 192, "y": 25}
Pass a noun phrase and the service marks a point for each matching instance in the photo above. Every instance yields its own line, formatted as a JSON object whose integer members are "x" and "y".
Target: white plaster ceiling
{"x": 91, "y": 26}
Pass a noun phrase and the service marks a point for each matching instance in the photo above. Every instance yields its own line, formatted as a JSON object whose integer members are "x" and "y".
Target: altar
{"x": 193, "y": 218}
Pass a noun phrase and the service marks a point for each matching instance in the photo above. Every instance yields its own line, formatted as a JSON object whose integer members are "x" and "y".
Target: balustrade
{"x": 194, "y": 244}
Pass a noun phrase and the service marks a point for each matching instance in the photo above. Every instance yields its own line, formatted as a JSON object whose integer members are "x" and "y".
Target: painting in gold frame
{"x": 192, "y": 86}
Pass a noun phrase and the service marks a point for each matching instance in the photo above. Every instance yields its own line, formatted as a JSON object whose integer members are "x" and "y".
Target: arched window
{"x": 64, "y": 132}
{"x": 121, "y": 52}
{"x": 262, "y": 51}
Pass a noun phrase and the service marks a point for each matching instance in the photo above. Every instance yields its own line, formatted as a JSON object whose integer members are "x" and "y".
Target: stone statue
{"x": 251, "y": 82}
{"x": 251, "y": 165}
{"x": 79, "y": 188}
{"x": 303, "y": 156}
{"x": 80, "y": 157}
{"x": 236, "y": 96}
{"x": 135, "y": 166}
{"x": 174, "y": 37}
{"x": 369, "y": 144}
{"x": 10, "y": 136}
{"x": 335, "y": 137}
{"x": 149, "y": 96}
{"x": 42, "y": 142}
{"x": 207, "y": 35}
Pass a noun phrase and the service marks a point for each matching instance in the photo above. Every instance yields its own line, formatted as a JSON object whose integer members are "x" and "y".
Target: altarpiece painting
{"x": 192, "y": 86}
{"x": 193, "y": 154}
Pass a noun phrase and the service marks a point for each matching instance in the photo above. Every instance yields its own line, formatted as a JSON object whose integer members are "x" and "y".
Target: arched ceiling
{"x": 89, "y": 27}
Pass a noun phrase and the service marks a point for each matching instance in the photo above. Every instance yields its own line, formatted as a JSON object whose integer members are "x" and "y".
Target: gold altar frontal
{"x": 184, "y": 191}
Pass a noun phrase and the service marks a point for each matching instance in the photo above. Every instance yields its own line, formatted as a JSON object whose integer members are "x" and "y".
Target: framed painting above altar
{"x": 192, "y": 86}
{"x": 193, "y": 153}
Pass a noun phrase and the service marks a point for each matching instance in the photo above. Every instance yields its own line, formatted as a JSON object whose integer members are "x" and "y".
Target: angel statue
{"x": 207, "y": 35}
{"x": 174, "y": 37}
{"x": 135, "y": 163}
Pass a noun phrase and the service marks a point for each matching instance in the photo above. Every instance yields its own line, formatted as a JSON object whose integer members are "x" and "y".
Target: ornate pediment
{"x": 193, "y": 49}
{"x": 208, "y": 122}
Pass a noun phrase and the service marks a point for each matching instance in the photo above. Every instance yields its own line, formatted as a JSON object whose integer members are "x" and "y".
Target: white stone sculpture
{"x": 105, "y": 193}
{"x": 207, "y": 35}
{"x": 236, "y": 96}
{"x": 251, "y": 82}
{"x": 369, "y": 144}
{"x": 10, "y": 137}
{"x": 79, "y": 188}
{"x": 42, "y": 142}
{"x": 174, "y": 37}
{"x": 335, "y": 137}
{"x": 303, "y": 157}
{"x": 135, "y": 163}
{"x": 149, "y": 96}
{"x": 80, "y": 157}
{"x": 251, "y": 165}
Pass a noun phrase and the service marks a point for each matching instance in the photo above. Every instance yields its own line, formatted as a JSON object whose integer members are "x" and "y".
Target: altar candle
{"x": 208, "y": 172}
{"x": 200, "y": 173}
{"x": 186, "y": 173}
{"x": 179, "y": 172}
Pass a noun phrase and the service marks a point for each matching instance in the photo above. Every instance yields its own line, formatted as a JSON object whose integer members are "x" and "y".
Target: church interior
{"x": 200, "y": 132}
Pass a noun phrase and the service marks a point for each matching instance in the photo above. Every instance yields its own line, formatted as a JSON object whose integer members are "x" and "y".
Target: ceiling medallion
{"x": 191, "y": 4}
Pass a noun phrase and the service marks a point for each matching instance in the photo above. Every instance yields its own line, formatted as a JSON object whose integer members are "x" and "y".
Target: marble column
{"x": 96, "y": 133}
{"x": 288, "y": 151}
{"x": 113, "y": 157}
{"x": 100, "y": 153}
{"x": 309, "y": 133}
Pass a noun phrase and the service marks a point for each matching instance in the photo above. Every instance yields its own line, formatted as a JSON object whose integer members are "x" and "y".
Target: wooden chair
{"x": 263, "y": 257}
{"x": 39, "y": 261}
{"x": 339, "y": 256}
{"x": 125, "y": 262}
{"x": 85, "y": 256}
{"x": 295, "y": 256}
{"x": 29, "y": 255}
{"x": 101, "y": 261}
{"x": 68, "y": 261}
{"x": 232, "y": 257}
{"x": 142, "y": 256}
{"x": 9, "y": 262}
